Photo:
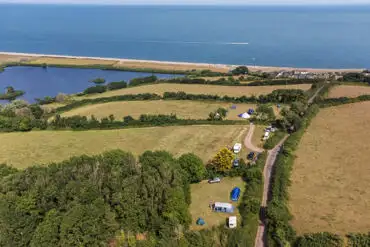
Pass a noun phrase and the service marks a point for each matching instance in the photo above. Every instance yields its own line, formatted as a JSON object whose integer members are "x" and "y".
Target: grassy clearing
{"x": 40, "y": 147}
{"x": 203, "y": 193}
{"x": 330, "y": 178}
{"x": 183, "y": 109}
{"x": 71, "y": 61}
{"x": 236, "y": 91}
{"x": 350, "y": 91}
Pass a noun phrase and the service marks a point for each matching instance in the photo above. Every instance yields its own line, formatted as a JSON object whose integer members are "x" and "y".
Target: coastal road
{"x": 248, "y": 140}
{"x": 261, "y": 235}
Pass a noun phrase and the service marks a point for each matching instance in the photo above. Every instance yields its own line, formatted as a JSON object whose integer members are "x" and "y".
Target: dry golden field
{"x": 330, "y": 179}
{"x": 350, "y": 91}
{"x": 182, "y": 108}
{"x": 203, "y": 193}
{"x": 236, "y": 91}
{"x": 71, "y": 61}
{"x": 40, "y": 147}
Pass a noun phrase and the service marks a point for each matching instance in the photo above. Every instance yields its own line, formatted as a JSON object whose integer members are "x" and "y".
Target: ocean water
{"x": 38, "y": 82}
{"x": 318, "y": 37}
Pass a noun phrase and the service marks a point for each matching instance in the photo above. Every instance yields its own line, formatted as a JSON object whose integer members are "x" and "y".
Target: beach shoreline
{"x": 170, "y": 65}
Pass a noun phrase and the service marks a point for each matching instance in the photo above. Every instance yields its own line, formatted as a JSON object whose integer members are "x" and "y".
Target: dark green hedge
{"x": 358, "y": 240}
{"x": 12, "y": 96}
{"x": 319, "y": 240}
{"x": 274, "y": 140}
{"x": 342, "y": 100}
{"x": 278, "y": 216}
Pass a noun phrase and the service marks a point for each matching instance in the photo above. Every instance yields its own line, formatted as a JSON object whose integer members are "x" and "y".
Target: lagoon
{"x": 39, "y": 82}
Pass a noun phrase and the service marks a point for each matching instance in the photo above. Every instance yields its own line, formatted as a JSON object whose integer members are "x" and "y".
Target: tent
{"x": 233, "y": 107}
{"x": 250, "y": 111}
{"x": 244, "y": 115}
{"x": 200, "y": 221}
{"x": 235, "y": 193}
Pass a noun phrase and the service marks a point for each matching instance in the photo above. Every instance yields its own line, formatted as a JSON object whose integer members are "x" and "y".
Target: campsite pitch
{"x": 236, "y": 91}
{"x": 203, "y": 193}
{"x": 330, "y": 178}
{"x": 183, "y": 109}
{"x": 350, "y": 91}
{"x": 42, "y": 147}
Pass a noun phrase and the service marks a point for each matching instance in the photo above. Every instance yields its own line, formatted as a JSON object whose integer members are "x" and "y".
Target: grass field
{"x": 330, "y": 179}
{"x": 183, "y": 109}
{"x": 350, "y": 91}
{"x": 198, "y": 89}
{"x": 40, "y": 147}
{"x": 203, "y": 193}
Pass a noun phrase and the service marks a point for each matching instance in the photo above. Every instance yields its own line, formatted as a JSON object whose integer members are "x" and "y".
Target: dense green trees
{"x": 116, "y": 85}
{"x": 193, "y": 166}
{"x": 240, "y": 70}
{"x": 87, "y": 201}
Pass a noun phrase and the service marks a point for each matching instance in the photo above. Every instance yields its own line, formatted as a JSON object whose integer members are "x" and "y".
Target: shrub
{"x": 116, "y": 85}
{"x": 143, "y": 80}
{"x": 95, "y": 89}
{"x": 98, "y": 81}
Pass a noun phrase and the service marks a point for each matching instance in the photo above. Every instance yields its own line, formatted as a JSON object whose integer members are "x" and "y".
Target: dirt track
{"x": 267, "y": 171}
{"x": 248, "y": 140}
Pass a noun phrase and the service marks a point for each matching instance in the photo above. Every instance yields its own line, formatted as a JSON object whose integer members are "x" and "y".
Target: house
{"x": 232, "y": 222}
{"x": 222, "y": 207}
{"x": 237, "y": 147}
{"x": 235, "y": 193}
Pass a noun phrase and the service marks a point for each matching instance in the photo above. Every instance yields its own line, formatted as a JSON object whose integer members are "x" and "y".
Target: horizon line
{"x": 195, "y": 5}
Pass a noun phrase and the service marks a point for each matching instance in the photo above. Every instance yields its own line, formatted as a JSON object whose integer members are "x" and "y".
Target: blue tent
{"x": 233, "y": 107}
{"x": 200, "y": 222}
{"x": 235, "y": 193}
{"x": 250, "y": 111}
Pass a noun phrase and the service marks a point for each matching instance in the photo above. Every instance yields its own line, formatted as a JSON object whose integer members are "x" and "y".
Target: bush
{"x": 116, "y": 85}
{"x": 11, "y": 95}
{"x": 142, "y": 80}
{"x": 98, "y": 81}
{"x": 241, "y": 70}
{"x": 45, "y": 100}
{"x": 319, "y": 239}
{"x": 95, "y": 89}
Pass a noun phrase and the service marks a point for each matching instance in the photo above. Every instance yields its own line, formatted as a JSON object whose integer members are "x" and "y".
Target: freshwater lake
{"x": 39, "y": 82}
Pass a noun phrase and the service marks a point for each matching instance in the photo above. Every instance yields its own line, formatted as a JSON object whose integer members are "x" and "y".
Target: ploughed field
{"x": 40, "y": 147}
{"x": 236, "y": 91}
{"x": 330, "y": 178}
{"x": 350, "y": 91}
{"x": 184, "y": 109}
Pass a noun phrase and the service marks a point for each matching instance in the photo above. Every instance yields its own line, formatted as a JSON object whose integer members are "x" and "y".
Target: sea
{"x": 299, "y": 36}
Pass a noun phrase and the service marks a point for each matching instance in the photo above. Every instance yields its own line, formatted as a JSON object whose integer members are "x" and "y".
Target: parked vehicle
{"x": 214, "y": 180}
{"x": 236, "y": 163}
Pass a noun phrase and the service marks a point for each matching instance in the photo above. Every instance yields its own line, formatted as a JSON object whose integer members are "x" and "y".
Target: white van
{"x": 237, "y": 147}
{"x": 232, "y": 222}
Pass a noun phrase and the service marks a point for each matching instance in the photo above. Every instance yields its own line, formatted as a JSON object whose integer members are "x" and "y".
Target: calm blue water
{"x": 38, "y": 82}
{"x": 333, "y": 37}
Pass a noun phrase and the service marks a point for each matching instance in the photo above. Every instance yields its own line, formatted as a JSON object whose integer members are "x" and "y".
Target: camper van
{"x": 232, "y": 222}
{"x": 237, "y": 147}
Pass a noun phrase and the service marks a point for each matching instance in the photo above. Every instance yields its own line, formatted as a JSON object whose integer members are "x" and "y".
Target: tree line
{"x": 90, "y": 200}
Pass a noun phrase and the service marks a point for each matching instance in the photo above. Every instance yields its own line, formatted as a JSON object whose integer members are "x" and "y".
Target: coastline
{"x": 36, "y": 59}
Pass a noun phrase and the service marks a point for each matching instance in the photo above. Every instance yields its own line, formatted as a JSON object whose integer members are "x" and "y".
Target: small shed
{"x": 235, "y": 194}
{"x": 223, "y": 207}
{"x": 200, "y": 222}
